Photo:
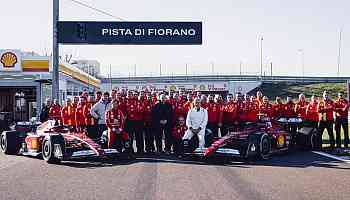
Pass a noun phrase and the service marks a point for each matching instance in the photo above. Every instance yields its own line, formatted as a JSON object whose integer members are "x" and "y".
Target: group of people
{"x": 147, "y": 117}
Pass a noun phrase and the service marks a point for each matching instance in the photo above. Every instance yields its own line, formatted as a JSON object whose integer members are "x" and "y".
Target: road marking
{"x": 332, "y": 156}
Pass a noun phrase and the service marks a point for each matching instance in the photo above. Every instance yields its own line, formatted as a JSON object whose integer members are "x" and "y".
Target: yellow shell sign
{"x": 8, "y": 60}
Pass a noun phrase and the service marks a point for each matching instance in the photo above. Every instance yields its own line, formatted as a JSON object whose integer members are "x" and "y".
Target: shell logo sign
{"x": 8, "y": 60}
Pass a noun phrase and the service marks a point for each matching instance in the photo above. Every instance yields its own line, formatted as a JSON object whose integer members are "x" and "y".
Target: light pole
{"x": 240, "y": 68}
{"x": 339, "y": 53}
{"x": 302, "y": 61}
{"x": 261, "y": 56}
{"x": 55, "y": 52}
{"x": 186, "y": 69}
{"x": 212, "y": 68}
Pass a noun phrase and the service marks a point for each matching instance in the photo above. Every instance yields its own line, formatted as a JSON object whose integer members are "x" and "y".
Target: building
{"x": 91, "y": 67}
{"x": 25, "y": 82}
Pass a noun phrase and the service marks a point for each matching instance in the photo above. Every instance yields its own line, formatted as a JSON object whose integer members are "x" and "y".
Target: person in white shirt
{"x": 197, "y": 119}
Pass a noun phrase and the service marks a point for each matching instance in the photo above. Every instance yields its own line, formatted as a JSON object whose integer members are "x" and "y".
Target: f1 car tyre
{"x": 265, "y": 147}
{"x": 49, "y": 148}
{"x": 9, "y": 142}
{"x": 306, "y": 139}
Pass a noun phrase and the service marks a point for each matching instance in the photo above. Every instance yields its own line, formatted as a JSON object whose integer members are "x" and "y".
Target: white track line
{"x": 332, "y": 156}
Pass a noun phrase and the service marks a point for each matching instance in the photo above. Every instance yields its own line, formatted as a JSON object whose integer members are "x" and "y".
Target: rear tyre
{"x": 9, "y": 142}
{"x": 49, "y": 148}
{"x": 265, "y": 147}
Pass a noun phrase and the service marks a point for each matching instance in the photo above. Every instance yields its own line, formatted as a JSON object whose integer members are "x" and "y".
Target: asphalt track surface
{"x": 299, "y": 175}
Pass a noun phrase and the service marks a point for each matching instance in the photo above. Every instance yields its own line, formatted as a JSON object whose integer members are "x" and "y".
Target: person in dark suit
{"x": 162, "y": 114}
{"x": 44, "y": 113}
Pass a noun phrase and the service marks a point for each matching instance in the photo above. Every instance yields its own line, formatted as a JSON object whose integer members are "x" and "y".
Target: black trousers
{"x": 158, "y": 130}
{"x": 100, "y": 129}
{"x": 342, "y": 122}
{"x": 226, "y": 127}
{"x": 92, "y": 132}
{"x": 214, "y": 128}
{"x": 177, "y": 146}
{"x": 135, "y": 130}
{"x": 312, "y": 124}
{"x": 149, "y": 137}
{"x": 325, "y": 125}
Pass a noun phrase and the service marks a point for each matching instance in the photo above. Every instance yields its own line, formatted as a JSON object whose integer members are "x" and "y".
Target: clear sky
{"x": 231, "y": 31}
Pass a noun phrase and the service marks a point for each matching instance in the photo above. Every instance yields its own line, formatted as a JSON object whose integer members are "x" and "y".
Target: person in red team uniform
{"x": 241, "y": 110}
{"x": 300, "y": 108}
{"x": 341, "y": 120}
{"x": 259, "y": 97}
{"x": 90, "y": 121}
{"x": 147, "y": 118}
{"x": 134, "y": 123}
{"x": 311, "y": 117}
{"x": 71, "y": 112}
{"x": 289, "y": 112}
{"x": 265, "y": 108}
{"x": 115, "y": 122}
{"x": 55, "y": 112}
{"x": 189, "y": 103}
{"x": 178, "y": 132}
{"x": 252, "y": 110}
{"x": 65, "y": 114}
{"x": 278, "y": 108}
{"x": 214, "y": 111}
{"x": 229, "y": 115}
{"x": 325, "y": 108}
{"x": 79, "y": 116}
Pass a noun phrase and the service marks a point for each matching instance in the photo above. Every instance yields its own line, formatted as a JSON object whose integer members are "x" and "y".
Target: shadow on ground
{"x": 297, "y": 159}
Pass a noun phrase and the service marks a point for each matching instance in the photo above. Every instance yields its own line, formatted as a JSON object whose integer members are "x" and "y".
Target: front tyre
{"x": 48, "y": 149}
{"x": 265, "y": 147}
{"x": 9, "y": 143}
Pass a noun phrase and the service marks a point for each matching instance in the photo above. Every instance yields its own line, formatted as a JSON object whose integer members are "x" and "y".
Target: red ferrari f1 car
{"x": 251, "y": 140}
{"x": 54, "y": 143}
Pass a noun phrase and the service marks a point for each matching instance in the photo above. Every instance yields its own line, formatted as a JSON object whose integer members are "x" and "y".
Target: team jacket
{"x": 230, "y": 113}
{"x": 89, "y": 120}
{"x": 179, "y": 131}
{"x": 325, "y": 108}
{"x": 311, "y": 112}
{"x": 79, "y": 116}
{"x": 241, "y": 111}
{"x": 65, "y": 116}
{"x": 300, "y": 109}
{"x": 290, "y": 110}
{"x": 341, "y": 108}
{"x": 253, "y": 110}
{"x": 55, "y": 112}
{"x": 214, "y": 111}
{"x": 188, "y": 105}
{"x": 115, "y": 121}
{"x": 71, "y": 114}
{"x": 278, "y": 110}
{"x": 266, "y": 109}
{"x": 134, "y": 110}
{"x": 179, "y": 110}
{"x": 147, "y": 112}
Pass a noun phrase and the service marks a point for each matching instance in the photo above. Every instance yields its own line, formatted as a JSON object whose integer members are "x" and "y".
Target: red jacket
{"x": 179, "y": 131}
{"x": 290, "y": 110}
{"x": 311, "y": 112}
{"x": 147, "y": 111}
{"x": 115, "y": 119}
{"x": 300, "y": 109}
{"x": 134, "y": 110}
{"x": 230, "y": 113}
{"x": 325, "y": 108}
{"x": 214, "y": 111}
{"x": 180, "y": 110}
{"x": 266, "y": 109}
{"x": 341, "y": 108}
{"x": 253, "y": 110}
{"x": 188, "y": 105}
{"x": 71, "y": 114}
{"x": 89, "y": 120}
{"x": 278, "y": 110}
{"x": 241, "y": 111}
{"x": 65, "y": 116}
{"x": 79, "y": 116}
{"x": 55, "y": 112}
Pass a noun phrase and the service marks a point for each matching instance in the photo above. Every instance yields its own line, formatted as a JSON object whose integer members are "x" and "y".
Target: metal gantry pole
{"x": 55, "y": 52}
{"x": 339, "y": 53}
{"x": 261, "y": 56}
